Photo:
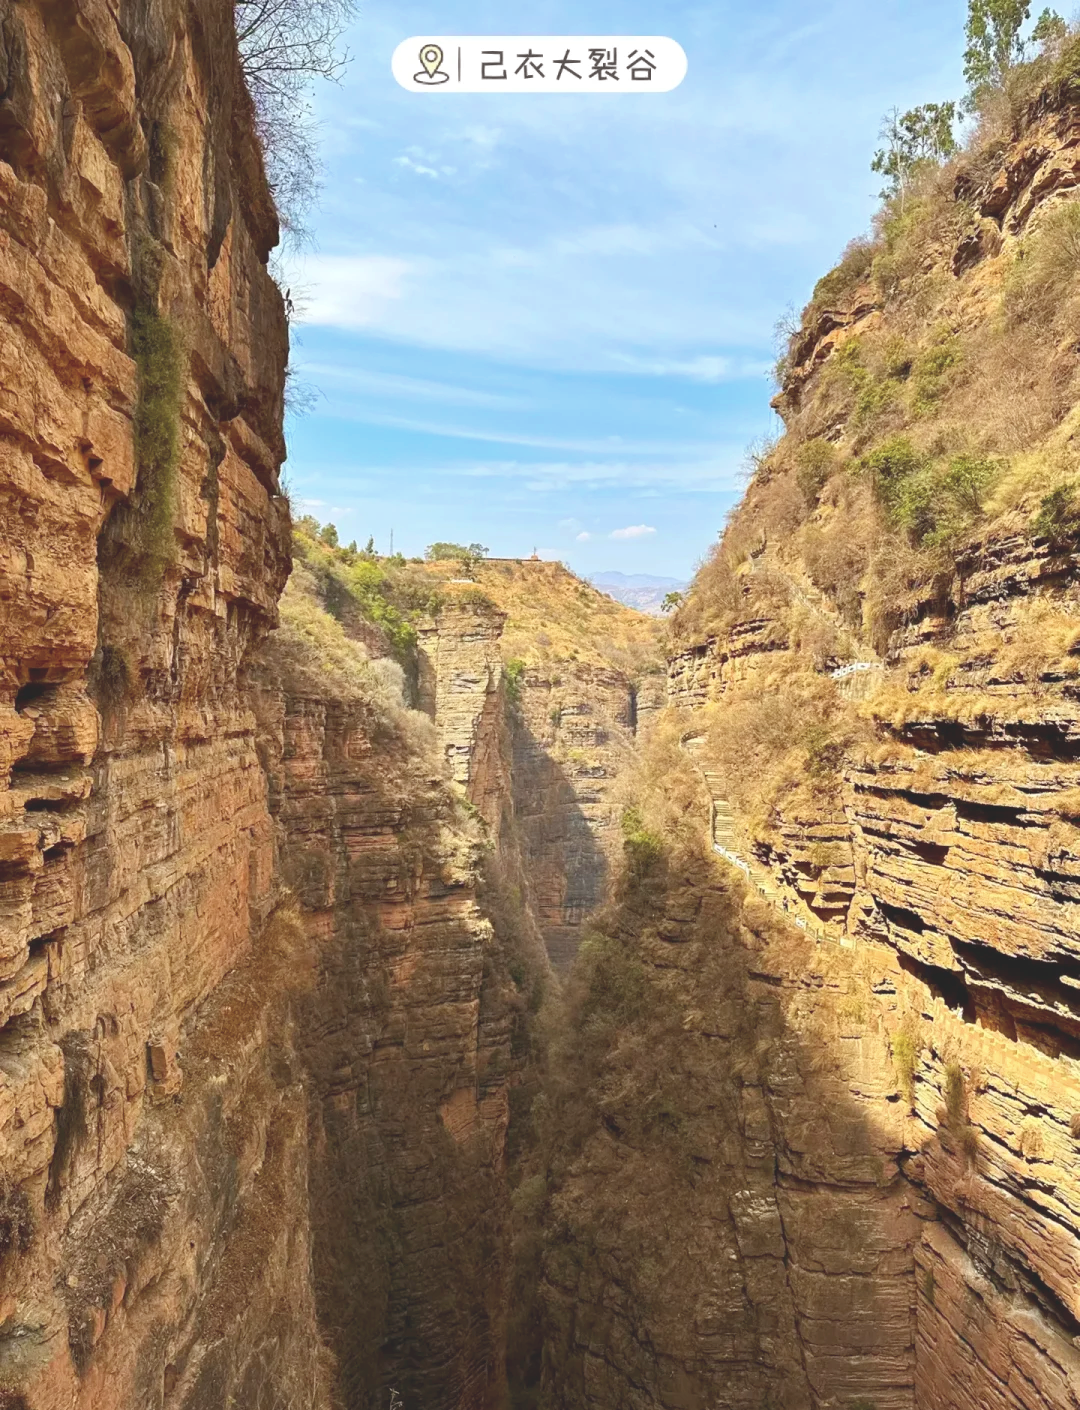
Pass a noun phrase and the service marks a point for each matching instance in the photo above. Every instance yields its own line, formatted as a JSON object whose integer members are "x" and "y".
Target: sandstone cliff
{"x": 142, "y": 356}
{"x": 255, "y": 1030}
{"x": 584, "y": 677}
{"x": 879, "y": 667}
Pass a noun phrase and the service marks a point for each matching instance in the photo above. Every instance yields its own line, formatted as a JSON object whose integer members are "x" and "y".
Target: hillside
{"x": 879, "y": 662}
{"x": 580, "y": 675}
{"x": 554, "y": 615}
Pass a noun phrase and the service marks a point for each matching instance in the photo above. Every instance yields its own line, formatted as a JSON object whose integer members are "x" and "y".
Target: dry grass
{"x": 552, "y": 615}
{"x": 314, "y": 654}
{"x": 664, "y": 784}
{"x": 779, "y": 747}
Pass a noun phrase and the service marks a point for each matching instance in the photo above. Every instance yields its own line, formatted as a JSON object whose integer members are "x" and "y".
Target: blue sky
{"x": 547, "y": 322}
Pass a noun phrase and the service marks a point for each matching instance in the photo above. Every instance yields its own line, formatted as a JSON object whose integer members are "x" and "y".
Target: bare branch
{"x": 284, "y": 46}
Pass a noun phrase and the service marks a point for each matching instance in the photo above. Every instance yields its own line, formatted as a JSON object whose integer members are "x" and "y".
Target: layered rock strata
{"x": 727, "y": 1221}
{"x": 405, "y": 1044}
{"x": 148, "y": 1144}
{"x": 252, "y": 1023}
{"x": 945, "y": 847}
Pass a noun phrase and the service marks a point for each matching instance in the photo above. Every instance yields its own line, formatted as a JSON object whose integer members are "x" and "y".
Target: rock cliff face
{"x": 930, "y": 820}
{"x": 254, "y": 1029}
{"x": 405, "y": 1044}
{"x": 141, "y": 362}
{"x": 586, "y": 679}
{"x": 726, "y": 1222}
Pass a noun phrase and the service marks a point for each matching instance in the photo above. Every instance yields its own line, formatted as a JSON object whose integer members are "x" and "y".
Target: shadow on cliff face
{"x": 405, "y": 1038}
{"x": 568, "y": 871}
{"x": 714, "y": 1215}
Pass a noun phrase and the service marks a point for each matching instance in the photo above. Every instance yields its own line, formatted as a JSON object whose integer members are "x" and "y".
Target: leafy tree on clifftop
{"x": 918, "y": 138}
{"x": 995, "y": 42}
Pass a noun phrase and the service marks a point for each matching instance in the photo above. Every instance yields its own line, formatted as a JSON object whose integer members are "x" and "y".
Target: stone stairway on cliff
{"x": 726, "y": 843}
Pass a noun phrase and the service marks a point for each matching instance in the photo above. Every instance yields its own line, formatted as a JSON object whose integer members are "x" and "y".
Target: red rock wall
{"x": 149, "y": 1137}
{"x": 405, "y": 1040}
{"x": 952, "y": 845}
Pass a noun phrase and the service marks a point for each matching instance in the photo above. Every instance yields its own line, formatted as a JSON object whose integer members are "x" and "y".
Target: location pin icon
{"x": 431, "y": 56}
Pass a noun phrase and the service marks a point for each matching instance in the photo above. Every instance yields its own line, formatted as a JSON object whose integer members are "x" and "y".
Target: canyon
{"x": 415, "y": 992}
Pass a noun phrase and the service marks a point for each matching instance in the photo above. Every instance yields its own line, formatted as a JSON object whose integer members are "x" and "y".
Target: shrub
{"x": 916, "y": 504}
{"x": 1047, "y": 268}
{"x": 1059, "y": 513}
{"x": 955, "y": 1096}
{"x": 967, "y": 480}
{"x": 876, "y": 399}
{"x": 890, "y": 466}
{"x": 905, "y": 1055}
{"x": 157, "y": 351}
{"x": 514, "y": 675}
{"x": 643, "y": 847}
{"x": 815, "y": 460}
{"x": 931, "y": 373}
{"x": 930, "y": 503}
{"x": 853, "y": 270}
{"x": 824, "y": 753}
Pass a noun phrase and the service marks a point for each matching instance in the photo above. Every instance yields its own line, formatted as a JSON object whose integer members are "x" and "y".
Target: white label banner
{"x": 504, "y": 63}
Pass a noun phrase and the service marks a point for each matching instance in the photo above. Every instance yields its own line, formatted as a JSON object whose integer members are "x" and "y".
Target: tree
{"x": 441, "y": 551}
{"x": 284, "y": 45}
{"x": 329, "y": 535}
{"x": 917, "y": 139}
{"x": 671, "y": 601}
{"x": 995, "y": 43}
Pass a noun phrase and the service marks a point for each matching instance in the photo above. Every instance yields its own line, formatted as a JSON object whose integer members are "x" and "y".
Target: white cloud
{"x": 633, "y": 531}
{"x": 584, "y": 536}
{"x": 703, "y": 368}
{"x": 352, "y": 291}
{"x": 418, "y": 167}
{"x": 397, "y": 387}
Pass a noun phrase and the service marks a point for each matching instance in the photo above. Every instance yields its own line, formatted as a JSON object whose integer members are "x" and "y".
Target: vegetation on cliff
{"x": 930, "y": 397}
{"x": 927, "y": 392}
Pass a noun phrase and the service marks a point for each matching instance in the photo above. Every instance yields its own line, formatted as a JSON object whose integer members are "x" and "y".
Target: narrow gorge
{"x": 428, "y": 984}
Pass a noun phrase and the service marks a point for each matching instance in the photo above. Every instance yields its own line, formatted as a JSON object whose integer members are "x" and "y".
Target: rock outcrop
{"x": 927, "y": 817}
{"x": 254, "y": 1028}
{"x": 585, "y": 680}
{"x": 149, "y": 1142}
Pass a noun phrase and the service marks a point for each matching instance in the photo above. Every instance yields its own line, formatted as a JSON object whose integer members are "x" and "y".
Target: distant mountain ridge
{"x": 641, "y": 590}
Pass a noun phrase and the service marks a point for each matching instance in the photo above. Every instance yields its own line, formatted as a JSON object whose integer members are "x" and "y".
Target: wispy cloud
{"x": 633, "y": 531}
{"x": 404, "y": 388}
{"x": 352, "y": 291}
{"x": 418, "y": 167}
{"x": 702, "y": 368}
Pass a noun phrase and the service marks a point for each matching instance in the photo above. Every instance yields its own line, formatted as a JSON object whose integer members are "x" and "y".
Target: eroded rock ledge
{"x": 253, "y": 1025}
